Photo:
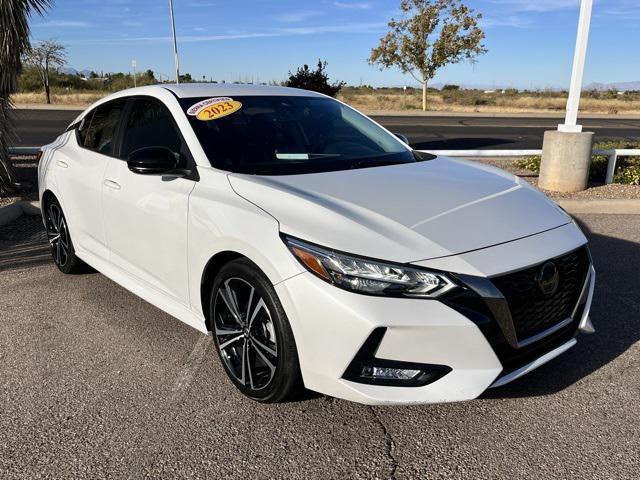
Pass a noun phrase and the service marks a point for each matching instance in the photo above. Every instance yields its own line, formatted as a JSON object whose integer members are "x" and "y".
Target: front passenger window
{"x": 150, "y": 125}
{"x": 100, "y": 135}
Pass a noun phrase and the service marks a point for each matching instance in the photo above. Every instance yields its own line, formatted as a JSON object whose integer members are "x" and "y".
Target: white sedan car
{"x": 317, "y": 248}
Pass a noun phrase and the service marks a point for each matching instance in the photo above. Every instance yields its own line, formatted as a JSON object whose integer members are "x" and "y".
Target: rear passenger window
{"x": 150, "y": 125}
{"x": 100, "y": 135}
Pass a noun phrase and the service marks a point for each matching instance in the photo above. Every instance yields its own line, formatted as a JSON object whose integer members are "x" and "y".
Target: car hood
{"x": 406, "y": 212}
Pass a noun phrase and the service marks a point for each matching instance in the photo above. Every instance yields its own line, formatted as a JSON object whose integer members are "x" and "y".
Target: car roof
{"x": 188, "y": 90}
{"x": 195, "y": 90}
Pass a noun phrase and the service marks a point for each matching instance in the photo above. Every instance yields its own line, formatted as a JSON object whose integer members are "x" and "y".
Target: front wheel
{"x": 252, "y": 334}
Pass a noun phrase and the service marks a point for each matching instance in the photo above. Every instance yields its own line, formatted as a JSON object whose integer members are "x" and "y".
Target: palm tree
{"x": 14, "y": 41}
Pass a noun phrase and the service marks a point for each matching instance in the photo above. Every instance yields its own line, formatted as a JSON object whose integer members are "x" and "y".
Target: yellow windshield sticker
{"x": 214, "y": 108}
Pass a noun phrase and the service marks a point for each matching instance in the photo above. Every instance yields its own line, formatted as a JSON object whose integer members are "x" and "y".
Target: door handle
{"x": 111, "y": 184}
{"x": 62, "y": 163}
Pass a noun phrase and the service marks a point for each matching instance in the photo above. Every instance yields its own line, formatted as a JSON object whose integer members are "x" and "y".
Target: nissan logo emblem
{"x": 548, "y": 279}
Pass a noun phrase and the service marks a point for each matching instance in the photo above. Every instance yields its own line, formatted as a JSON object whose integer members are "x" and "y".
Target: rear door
{"x": 146, "y": 215}
{"x": 79, "y": 174}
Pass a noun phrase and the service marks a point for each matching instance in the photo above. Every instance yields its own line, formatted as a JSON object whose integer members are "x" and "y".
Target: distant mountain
{"x": 68, "y": 71}
{"x": 72, "y": 71}
{"x": 619, "y": 86}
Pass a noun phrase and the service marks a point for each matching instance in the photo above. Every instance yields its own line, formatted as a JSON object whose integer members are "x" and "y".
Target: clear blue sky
{"x": 530, "y": 42}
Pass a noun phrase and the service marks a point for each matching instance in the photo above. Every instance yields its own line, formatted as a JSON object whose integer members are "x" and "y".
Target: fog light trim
{"x": 366, "y": 368}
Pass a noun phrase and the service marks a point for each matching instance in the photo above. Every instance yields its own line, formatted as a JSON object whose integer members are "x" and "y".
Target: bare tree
{"x": 14, "y": 41}
{"x": 431, "y": 34}
{"x": 46, "y": 56}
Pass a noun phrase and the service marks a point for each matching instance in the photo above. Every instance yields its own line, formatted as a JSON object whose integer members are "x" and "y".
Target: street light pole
{"x": 566, "y": 152}
{"x": 175, "y": 43}
{"x": 134, "y": 64}
{"x": 573, "y": 102}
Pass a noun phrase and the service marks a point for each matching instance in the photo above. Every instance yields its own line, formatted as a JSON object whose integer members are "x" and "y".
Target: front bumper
{"x": 331, "y": 325}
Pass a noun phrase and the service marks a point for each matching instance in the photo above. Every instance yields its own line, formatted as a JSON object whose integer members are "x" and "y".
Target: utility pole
{"x": 134, "y": 64}
{"x": 175, "y": 43}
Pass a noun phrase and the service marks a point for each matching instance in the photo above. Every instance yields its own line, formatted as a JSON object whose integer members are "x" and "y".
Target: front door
{"x": 146, "y": 215}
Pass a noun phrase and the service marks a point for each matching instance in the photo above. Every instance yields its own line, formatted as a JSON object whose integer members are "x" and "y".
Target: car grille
{"x": 531, "y": 311}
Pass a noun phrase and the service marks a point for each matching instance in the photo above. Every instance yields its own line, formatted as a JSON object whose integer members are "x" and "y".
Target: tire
{"x": 252, "y": 335}
{"x": 62, "y": 251}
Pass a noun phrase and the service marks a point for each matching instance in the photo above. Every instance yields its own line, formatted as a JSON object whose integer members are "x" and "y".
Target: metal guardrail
{"x": 612, "y": 155}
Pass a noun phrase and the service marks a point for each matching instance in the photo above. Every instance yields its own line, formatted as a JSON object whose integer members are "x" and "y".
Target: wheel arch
{"x": 47, "y": 196}
{"x": 227, "y": 249}
{"x": 211, "y": 269}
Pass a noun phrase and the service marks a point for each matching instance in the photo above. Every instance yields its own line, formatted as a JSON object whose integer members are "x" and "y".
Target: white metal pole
{"x": 573, "y": 102}
{"x": 175, "y": 43}
{"x": 134, "y": 64}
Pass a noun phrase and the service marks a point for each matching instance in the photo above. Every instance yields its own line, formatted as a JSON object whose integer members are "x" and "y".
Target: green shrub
{"x": 482, "y": 101}
{"x": 314, "y": 79}
{"x": 529, "y": 163}
{"x": 628, "y": 175}
{"x": 627, "y": 168}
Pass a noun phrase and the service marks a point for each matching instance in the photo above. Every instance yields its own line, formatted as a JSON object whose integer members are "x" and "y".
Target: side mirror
{"x": 154, "y": 161}
{"x": 402, "y": 137}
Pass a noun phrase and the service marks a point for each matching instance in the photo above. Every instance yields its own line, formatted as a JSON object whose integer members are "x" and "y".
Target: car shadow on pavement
{"x": 615, "y": 313}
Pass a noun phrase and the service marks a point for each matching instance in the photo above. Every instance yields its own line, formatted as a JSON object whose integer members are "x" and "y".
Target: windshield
{"x": 284, "y": 135}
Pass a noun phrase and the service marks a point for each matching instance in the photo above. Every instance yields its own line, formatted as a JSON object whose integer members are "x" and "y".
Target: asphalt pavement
{"x": 38, "y": 127}
{"x": 96, "y": 383}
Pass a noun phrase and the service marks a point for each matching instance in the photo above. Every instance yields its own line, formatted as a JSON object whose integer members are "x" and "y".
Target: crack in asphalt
{"x": 390, "y": 443}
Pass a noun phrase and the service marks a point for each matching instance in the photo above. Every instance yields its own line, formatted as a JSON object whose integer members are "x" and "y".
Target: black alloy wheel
{"x": 252, "y": 334}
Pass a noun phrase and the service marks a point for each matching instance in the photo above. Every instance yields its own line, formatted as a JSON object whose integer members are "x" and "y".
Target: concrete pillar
{"x": 566, "y": 158}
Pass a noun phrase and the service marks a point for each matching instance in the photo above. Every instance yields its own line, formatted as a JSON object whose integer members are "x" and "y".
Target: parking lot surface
{"x": 95, "y": 382}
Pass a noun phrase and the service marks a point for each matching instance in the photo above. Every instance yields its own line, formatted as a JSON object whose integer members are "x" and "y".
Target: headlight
{"x": 368, "y": 276}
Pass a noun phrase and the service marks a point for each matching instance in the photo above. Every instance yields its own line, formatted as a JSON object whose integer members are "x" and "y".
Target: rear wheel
{"x": 252, "y": 334}
{"x": 62, "y": 251}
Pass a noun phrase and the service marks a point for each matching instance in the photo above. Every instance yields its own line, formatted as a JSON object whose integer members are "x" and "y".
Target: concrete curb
{"x": 11, "y": 212}
{"x": 608, "y": 206}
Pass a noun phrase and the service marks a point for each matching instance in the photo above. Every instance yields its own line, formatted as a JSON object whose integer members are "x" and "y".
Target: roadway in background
{"x": 39, "y": 127}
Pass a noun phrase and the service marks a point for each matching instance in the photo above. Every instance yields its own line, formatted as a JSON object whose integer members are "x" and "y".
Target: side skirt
{"x": 146, "y": 292}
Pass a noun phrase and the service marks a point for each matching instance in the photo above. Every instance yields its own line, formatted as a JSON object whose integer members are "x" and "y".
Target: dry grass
{"x": 379, "y": 100}
{"x": 390, "y": 100}
{"x": 80, "y": 99}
